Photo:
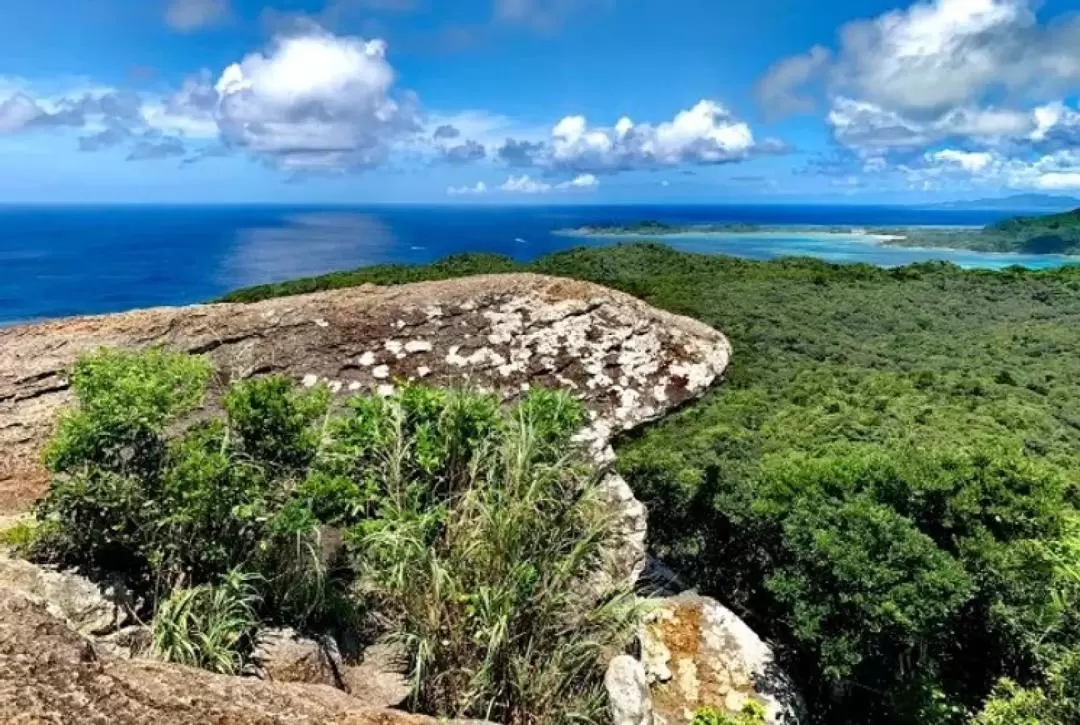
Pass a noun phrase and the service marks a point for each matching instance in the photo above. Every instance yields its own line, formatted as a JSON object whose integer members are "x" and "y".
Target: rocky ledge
{"x": 629, "y": 363}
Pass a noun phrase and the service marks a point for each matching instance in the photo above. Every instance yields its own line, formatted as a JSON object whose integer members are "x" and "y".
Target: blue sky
{"x": 544, "y": 101}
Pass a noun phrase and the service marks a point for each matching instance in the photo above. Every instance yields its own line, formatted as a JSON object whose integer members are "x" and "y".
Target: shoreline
{"x": 888, "y": 237}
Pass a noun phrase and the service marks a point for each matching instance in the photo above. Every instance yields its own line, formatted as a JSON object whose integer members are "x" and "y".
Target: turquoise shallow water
{"x": 840, "y": 248}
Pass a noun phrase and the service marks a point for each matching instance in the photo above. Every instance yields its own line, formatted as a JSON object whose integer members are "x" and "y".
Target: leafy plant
{"x": 752, "y": 713}
{"x": 212, "y": 627}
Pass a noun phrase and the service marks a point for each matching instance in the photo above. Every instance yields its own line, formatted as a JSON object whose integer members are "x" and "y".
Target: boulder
{"x": 51, "y": 674}
{"x": 696, "y": 653}
{"x": 628, "y": 692}
{"x": 629, "y": 363}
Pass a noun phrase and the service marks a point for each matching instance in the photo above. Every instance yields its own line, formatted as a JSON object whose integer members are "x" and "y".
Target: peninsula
{"x": 1043, "y": 234}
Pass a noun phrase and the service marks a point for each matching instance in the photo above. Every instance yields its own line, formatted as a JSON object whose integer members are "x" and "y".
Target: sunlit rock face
{"x": 628, "y": 362}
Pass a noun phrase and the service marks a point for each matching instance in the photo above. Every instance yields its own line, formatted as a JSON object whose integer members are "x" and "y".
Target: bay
{"x": 57, "y": 261}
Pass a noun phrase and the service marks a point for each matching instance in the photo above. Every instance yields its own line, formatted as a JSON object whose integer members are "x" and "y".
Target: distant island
{"x": 1016, "y": 202}
{"x": 1037, "y": 234}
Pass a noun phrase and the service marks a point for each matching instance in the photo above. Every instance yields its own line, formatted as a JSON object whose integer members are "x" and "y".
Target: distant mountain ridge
{"x": 1016, "y": 202}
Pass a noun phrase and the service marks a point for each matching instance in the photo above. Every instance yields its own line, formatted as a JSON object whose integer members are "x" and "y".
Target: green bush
{"x": 485, "y": 534}
{"x": 474, "y": 530}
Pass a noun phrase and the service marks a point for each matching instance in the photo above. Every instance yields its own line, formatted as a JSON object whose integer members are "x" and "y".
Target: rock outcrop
{"x": 628, "y": 362}
{"x": 627, "y": 686}
{"x": 51, "y": 674}
{"x": 697, "y": 653}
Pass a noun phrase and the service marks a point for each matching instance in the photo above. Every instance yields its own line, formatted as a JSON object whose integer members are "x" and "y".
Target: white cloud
{"x": 940, "y": 72}
{"x": 18, "y": 112}
{"x": 972, "y": 161}
{"x": 704, "y": 134}
{"x": 188, "y": 15}
{"x": 948, "y": 167}
{"x": 314, "y": 101}
{"x": 476, "y": 189}
{"x": 582, "y": 181}
{"x": 525, "y": 184}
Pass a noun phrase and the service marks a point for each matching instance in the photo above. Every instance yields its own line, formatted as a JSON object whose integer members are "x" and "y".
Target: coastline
{"x": 889, "y": 237}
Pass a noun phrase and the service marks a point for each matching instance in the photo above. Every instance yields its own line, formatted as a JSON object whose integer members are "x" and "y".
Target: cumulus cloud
{"x": 940, "y": 73}
{"x": 949, "y": 167}
{"x": 782, "y": 89}
{"x": 478, "y": 188}
{"x": 465, "y": 153}
{"x": 582, "y": 181}
{"x": 188, "y": 15}
{"x": 704, "y": 134}
{"x": 525, "y": 184}
{"x": 314, "y": 101}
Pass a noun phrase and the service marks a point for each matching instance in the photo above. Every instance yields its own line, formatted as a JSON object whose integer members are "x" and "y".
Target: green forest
{"x": 885, "y": 483}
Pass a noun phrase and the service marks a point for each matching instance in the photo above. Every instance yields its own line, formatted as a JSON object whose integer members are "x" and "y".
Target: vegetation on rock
{"x": 884, "y": 485}
{"x": 470, "y": 529}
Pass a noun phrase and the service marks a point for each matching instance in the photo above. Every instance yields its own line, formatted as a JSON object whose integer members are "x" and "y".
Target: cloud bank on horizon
{"x": 938, "y": 95}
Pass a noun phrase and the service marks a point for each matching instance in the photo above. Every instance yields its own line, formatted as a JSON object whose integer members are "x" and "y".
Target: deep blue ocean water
{"x": 59, "y": 261}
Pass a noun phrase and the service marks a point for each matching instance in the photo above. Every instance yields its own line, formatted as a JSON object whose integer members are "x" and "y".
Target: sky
{"x": 537, "y": 101}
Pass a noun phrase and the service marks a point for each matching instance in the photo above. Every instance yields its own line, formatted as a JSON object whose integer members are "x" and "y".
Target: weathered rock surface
{"x": 69, "y": 596}
{"x": 697, "y": 653}
{"x": 628, "y": 692}
{"x": 379, "y": 679}
{"x": 285, "y": 656}
{"x": 50, "y": 674}
{"x": 629, "y": 362}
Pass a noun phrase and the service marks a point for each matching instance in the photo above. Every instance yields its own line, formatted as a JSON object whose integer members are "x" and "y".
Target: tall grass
{"x": 486, "y": 585}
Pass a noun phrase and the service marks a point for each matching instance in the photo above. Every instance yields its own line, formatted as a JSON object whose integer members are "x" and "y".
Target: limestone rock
{"x": 697, "y": 653}
{"x": 628, "y": 692}
{"x": 49, "y": 673}
{"x": 377, "y": 677}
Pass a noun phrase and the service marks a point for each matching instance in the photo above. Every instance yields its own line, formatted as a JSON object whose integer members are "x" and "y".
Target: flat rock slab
{"x": 628, "y": 362}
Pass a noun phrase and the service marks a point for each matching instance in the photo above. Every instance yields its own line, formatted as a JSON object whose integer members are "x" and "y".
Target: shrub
{"x": 486, "y": 531}
{"x": 474, "y": 529}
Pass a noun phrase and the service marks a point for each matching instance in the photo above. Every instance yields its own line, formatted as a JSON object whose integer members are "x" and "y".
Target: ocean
{"x": 61, "y": 261}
